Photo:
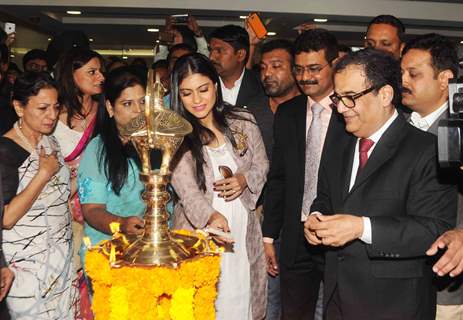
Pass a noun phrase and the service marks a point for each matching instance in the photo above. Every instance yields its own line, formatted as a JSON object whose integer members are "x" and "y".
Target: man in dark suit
{"x": 428, "y": 62}
{"x": 276, "y": 75}
{"x": 229, "y": 52}
{"x": 379, "y": 204}
{"x": 300, "y": 127}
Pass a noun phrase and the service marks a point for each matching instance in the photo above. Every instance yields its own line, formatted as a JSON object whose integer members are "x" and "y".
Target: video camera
{"x": 450, "y": 131}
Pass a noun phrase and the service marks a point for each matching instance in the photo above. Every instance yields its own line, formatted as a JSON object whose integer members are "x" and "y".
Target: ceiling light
{"x": 125, "y": 57}
{"x": 157, "y": 41}
{"x": 91, "y": 39}
{"x": 320, "y": 20}
{"x": 49, "y": 39}
{"x": 271, "y": 33}
{"x": 74, "y": 12}
{"x": 152, "y": 30}
{"x": 243, "y": 17}
{"x": 12, "y": 55}
{"x": 461, "y": 41}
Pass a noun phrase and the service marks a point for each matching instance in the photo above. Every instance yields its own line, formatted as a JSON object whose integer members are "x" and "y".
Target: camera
{"x": 450, "y": 131}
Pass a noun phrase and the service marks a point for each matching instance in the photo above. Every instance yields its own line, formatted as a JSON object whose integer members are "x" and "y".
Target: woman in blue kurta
{"x": 108, "y": 184}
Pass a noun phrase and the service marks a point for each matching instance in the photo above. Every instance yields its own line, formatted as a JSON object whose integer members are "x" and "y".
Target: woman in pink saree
{"x": 80, "y": 79}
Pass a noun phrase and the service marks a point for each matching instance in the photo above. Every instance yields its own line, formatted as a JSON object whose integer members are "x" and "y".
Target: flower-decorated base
{"x": 136, "y": 292}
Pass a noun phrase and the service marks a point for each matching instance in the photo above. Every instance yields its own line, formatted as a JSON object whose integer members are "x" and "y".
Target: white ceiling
{"x": 122, "y": 24}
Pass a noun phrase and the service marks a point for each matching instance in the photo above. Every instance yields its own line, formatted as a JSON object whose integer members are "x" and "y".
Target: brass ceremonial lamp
{"x": 162, "y": 129}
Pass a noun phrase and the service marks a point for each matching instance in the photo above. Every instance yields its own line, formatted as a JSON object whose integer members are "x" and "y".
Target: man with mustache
{"x": 428, "y": 62}
{"x": 379, "y": 203}
{"x": 229, "y": 52}
{"x": 279, "y": 85}
{"x": 300, "y": 127}
{"x": 386, "y": 33}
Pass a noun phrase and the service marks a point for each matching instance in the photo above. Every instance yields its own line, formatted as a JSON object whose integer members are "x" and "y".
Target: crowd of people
{"x": 335, "y": 202}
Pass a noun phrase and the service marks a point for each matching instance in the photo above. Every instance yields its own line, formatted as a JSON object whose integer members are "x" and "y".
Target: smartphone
{"x": 10, "y": 27}
{"x": 180, "y": 18}
{"x": 257, "y": 25}
{"x": 225, "y": 171}
{"x": 166, "y": 37}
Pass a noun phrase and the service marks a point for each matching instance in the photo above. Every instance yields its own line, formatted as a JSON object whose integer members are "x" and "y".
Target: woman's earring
{"x": 20, "y": 123}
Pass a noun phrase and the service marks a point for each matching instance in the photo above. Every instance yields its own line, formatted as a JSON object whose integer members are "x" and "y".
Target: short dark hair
{"x": 34, "y": 54}
{"x": 283, "y": 44}
{"x": 160, "y": 64}
{"x": 235, "y": 36}
{"x": 380, "y": 69}
{"x": 316, "y": 40}
{"x": 443, "y": 51}
{"x": 179, "y": 46}
{"x": 344, "y": 48}
{"x": 29, "y": 84}
{"x": 392, "y": 21}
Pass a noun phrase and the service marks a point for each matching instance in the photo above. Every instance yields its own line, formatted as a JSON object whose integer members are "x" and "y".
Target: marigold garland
{"x": 136, "y": 293}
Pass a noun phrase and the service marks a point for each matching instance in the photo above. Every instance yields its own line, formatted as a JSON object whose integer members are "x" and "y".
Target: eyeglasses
{"x": 349, "y": 100}
{"x": 313, "y": 69}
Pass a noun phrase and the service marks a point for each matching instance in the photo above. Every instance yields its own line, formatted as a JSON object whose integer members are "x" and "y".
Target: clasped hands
{"x": 332, "y": 230}
{"x": 231, "y": 188}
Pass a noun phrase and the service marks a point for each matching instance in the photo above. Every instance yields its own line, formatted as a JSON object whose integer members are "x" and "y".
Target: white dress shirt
{"x": 231, "y": 95}
{"x": 375, "y": 137}
{"x": 424, "y": 123}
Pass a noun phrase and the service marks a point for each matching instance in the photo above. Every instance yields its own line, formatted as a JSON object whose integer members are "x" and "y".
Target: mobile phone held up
{"x": 180, "y": 18}
{"x": 10, "y": 27}
{"x": 255, "y": 22}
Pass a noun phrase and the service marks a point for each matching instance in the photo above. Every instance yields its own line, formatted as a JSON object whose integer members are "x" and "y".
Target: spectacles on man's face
{"x": 349, "y": 100}
{"x": 313, "y": 69}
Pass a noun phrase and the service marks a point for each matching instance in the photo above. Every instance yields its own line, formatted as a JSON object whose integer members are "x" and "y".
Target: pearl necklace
{"x": 23, "y": 138}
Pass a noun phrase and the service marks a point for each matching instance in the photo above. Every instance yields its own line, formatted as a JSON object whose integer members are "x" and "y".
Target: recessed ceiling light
{"x": 271, "y": 33}
{"x": 243, "y": 17}
{"x": 461, "y": 41}
{"x": 152, "y": 30}
{"x": 320, "y": 20}
{"x": 74, "y": 12}
{"x": 49, "y": 39}
{"x": 125, "y": 57}
{"x": 91, "y": 39}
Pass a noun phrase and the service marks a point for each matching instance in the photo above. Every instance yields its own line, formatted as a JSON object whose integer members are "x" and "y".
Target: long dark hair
{"x": 70, "y": 94}
{"x": 114, "y": 155}
{"x": 221, "y": 112}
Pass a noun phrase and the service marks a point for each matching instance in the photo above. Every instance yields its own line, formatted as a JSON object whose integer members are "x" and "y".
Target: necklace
{"x": 23, "y": 138}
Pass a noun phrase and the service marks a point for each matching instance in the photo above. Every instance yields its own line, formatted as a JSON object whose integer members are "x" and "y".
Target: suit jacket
{"x": 194, "y": 207}
{"x": 249, "y": 89}
{"x": 408, "y": 208}
{"x": 285, "y": 181}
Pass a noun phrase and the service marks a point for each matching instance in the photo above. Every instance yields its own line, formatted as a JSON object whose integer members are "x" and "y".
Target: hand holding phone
{"x": 256, "y": 24}
{"x": 10, "y": 27}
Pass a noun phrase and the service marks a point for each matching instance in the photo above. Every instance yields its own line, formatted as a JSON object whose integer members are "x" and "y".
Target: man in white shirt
{"x": 229, "y": 52}
{"x": 379, "y": 204}
{"x": 428, "y": 62}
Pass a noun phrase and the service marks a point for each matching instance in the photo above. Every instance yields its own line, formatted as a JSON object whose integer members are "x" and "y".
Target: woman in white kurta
{"x": 223, "y": 135}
